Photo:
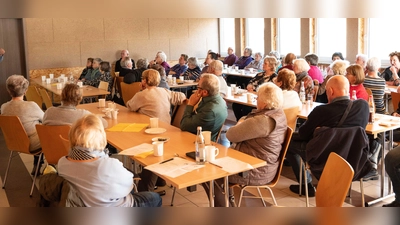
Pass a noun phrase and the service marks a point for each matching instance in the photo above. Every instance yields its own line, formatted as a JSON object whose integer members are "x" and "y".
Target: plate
{"x": 155, "y": 130}
{"x": 163, "y": 139}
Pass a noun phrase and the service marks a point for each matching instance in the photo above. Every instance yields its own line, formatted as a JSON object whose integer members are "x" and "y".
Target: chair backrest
{"x": 103, "y": 85}
{"x": 52, "y": 146}
{"x": 14, "y": 134}
{"x": 316, "y": 87}
{"x": 118, "y": 81}
{"x": 395, "y": 100}
{"x": 219, "y": 134}
{"x": 129, "y": 90}
{"x": 282, "y": 155}
{"x": 66, "y": 143}
{"x": 46, "y": 98}
{"x": 334, "y": 182}
{"x": 291, "y": 116}
{"x": 178, "y": 114}
{"x": 32, "y": 94}
{"x": 369, "y": 91}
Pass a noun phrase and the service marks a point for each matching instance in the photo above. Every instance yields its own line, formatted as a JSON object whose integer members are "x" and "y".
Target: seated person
{"x": 338, "y": 67}
{"x": 136, "y": 74}
{"x": 245, "y": 60}
{"x": 100, "y": 181}
{"x": 268, "y": 75}
{"x": 231, "y": 58}
{"x": 154, "y": 101}
{"x": 287, "y": 61}
{"x": 95, "y": 73}
{"x": 392, "y": 165}
{"x": 337, "y": 56}
{"x": 126, "y": 67}
{"x": 161, "y": 59}
{"x": 28, "y": 112}
{"x": 314, "y": 72}
{"x": 216, "y": 68}
{"x": 265, "y": 142}
{"x": 180, "y": 68}
{"x": 211, "y": 56}
{"x": 163, "y": 79}
{"x": 286, "y": 80}
{"x": 392, "y": 73}
{"x": 277, "y": 57}
{"x": 193, "y": 72}
{"x": 361, "y": 59}
{"x": 119, "y": 64}
{"x": 301, "y": 68}
{"x": 105, "y": 76}
{"x": 257, "y": 63}
{"x": 67, "y": 113}
{"x": 88, "y": 68}
{"x": 355, "y": 75}
{"x": 376, "y": 84}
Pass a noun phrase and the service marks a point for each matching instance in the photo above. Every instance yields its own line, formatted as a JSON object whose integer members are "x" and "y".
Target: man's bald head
{"x": 337, "y": 86}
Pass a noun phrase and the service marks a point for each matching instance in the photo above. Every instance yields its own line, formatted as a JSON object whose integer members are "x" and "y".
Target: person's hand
{"x": 2, "y": 51}
{"x": 394, "y": 72}
{"x": 152, "y": 62}
{"x": 194, "y": 98}
{"x": 396, "y": 114}
{"x": 250, "y": 88}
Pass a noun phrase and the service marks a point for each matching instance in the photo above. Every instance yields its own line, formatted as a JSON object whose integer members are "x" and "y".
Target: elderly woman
{"x": 355, "y": 75}
{"x": 104, "y": 68}
{"x": 265, "y": 142}
{"x": 257, "y": 63}
{"x": 88, "y": 68}
{"x": 392, "y": 73}
{"x": 100, "y": 181}
{"x": 375, "y": 83}
{"x": 67, "y": 113}
{"x": 154, "y": 101}
{"x": 193, "y": 72}
{"x": 287, "y": 61}
{"x": 301, "y": 68}
{"x": 94, "y": 73}
{"x": 268, "y": 75}
{"x": 286, "y": 80}
{"x": 277, "y": 57}
{"x": 136, "y": 74}
{"x": 211, "y": 56}
{"x": 163, "y": 78}
{"x": 243, "y": 61}
{"x": 338, "y": 67}
{"x": 28, "y": 112}
{"x": 161, "y": 59}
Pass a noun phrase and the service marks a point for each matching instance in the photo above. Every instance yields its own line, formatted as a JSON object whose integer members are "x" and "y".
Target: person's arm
{"x": 176, "y": 98}
{"x": 254, "y": 127}
{"x": 134, "y": 103}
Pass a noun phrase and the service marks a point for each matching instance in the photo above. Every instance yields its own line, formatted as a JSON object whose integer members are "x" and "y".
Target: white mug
{"x": 80, "y": 83}
{"x": 211, "y": 153}
{"x": 207, "y": 137}
{"x": 249, "y": 97}
{"x": 48, "y": 80}
{"x": 114, "y": 114}
{"x": 43, "y": 78}
{"x": 153, "y": 122}
{"x": 51, "y": 76}
{"x": 229, "y": 92}
{"x": 242, "y": 72}
{"x": 59, "y": 86}
{"x": 102, "y": 103}
{"x": 158, "y": 148}
{"x": 251, "y": 70}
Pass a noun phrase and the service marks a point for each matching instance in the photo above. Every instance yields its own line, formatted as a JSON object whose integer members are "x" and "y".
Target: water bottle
{"x": 354, "y": 95}
{"x": 371, "y": 105}
{"x": 302, "y": 93}
{"x": 200, "y": 147}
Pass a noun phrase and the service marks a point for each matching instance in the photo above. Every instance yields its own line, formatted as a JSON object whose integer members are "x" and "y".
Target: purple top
{"x": 178, "y": 69}
{"x": 166, "y": 67}
{"x": 230, "y": 59}
{"x": 243, "y": 61}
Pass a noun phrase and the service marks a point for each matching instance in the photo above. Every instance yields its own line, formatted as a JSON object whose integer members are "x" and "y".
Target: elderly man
{"x": 231, "y": 58}
{"x": 361, "y": 59}
{"x": 127, "y": 67}
{"x": 118, "y": 65}
{"x": 211, "y": 111}
{"x": 180, "y": 68}
{"x": 2, "y": 52}
{"x": 136, "y": 74}
{"x": 337, "y": 89}
{"x": 216, "y": 68}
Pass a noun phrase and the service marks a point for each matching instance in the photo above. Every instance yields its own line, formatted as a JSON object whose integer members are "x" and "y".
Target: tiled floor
{"x": 284, "y": 196}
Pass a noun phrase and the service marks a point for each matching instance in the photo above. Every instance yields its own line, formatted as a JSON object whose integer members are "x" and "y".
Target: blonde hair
{"x": 152, "y": 77}
{"x": 339, "y": 67}
{"x": 271, "y": 95}
{"x": 88, "y": 132}
{"x": 288, "y": 79}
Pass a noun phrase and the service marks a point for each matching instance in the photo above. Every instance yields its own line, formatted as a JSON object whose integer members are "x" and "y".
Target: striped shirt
{"x": 377, "y": 86}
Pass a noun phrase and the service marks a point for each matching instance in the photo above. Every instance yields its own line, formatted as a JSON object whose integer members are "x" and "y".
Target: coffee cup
{"x": 153, "y": 122}
{"x": 114, "y": 114}
{"x": 207, "y": 137}
{"x": 51, "y": 76}
{"x": 80, "y": 83}
{"x": 59, "y": 86}
{"x": 43, "y": 78}
{"x": 249, "y": 97}
{"x": 251, "y": 70}
{"x": 102, "y": 102}
{"x": 211, "y": 153}
{"x": 229, "y": 92}
{"x": 158, "y": 148}
{"x": 48, "y": 81}
{"x": 242, "y": 72}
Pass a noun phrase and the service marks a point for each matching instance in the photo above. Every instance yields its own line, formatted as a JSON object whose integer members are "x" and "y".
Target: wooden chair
{"x": 103, "y": 85}
{"x": 369, "y": 91}
{"x": 178, "y": 114}
{"x": 46, "y": 98}
{"x": 65, "y": 142}
{"x": 316, "y": 87}
{"x": 118, "y": 81}
{"x": 334, "y": 182}
{"x": 282, "y": 155}
{"x": 291, "y": 116}
{"x": 52, "y": 146}
{"x": 32, "y": 94}
{"x": 17, "y": 141}
{"x": 395, "y": 100}
{"x": 129, "y": 90}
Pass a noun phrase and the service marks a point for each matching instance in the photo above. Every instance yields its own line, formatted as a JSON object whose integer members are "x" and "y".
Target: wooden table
{"x": 182, "y": 85}
{"x": 241, "y": 99}
{"x": 180, "y": 143}
{"x": 246, "y": 74}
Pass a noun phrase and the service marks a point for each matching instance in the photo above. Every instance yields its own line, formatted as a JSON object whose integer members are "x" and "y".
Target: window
{"x": 381, "y": 42}
{"x": 227, "y": 35}
{"x": 330, "y": 38}
{"x": 288, "y": 40}
{"x": 255, "y": 34}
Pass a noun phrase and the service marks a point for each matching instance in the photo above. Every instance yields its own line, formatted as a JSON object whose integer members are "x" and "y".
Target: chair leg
{"x": 362, "y": 193}
{"x": 306, "y": 186}
{"x": 8, "y": 167}
{"x": 300, "y": 175}
{"x": 272, "y": 195}
{"x": 240, "y": 197}
{"x": 173, "y": 196}
{"x": 36, "y": 173}
{"x": 262, "y": 199}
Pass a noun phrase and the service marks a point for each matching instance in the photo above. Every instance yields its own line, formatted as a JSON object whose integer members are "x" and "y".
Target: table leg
{"x": 211, "y": 193}
{"x": 226, "y": 189}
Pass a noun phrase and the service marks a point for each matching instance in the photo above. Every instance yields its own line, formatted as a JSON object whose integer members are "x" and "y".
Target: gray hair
{"x": 249, "y": 50}
{"x": 17, "y": 85}
{"x": 364, "y": 58}
{"x": 373, "y": 64}
{"x": 271, "y": 95}
{"x": 98, "y": 60}
{"x": 162, "y": 55}
{"x": 301, "y": 64}
{"x": 258, "y": 53}
{"x": 339, "y": 67}
{"x": 275, "y": 54}
{"x": 210, "y": 83}
{"x": 142, "y": 63}
{"x": 193, "y": 61}
{"x": 125, "y": 62}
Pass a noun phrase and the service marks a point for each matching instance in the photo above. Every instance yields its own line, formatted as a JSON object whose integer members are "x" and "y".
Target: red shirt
{"x": 361, "y": 93}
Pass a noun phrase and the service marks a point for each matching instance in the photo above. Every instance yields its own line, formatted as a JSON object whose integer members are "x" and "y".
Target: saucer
{"x": 162, "y": 139}
{"x": 155, "y": 130}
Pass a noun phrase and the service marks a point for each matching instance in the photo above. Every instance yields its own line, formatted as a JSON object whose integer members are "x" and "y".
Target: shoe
{"x": 372, "y": 175}
{"x": 392, "y": 204}
{"x": 311, "y": 189}
{"x": 161, "y": 182}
